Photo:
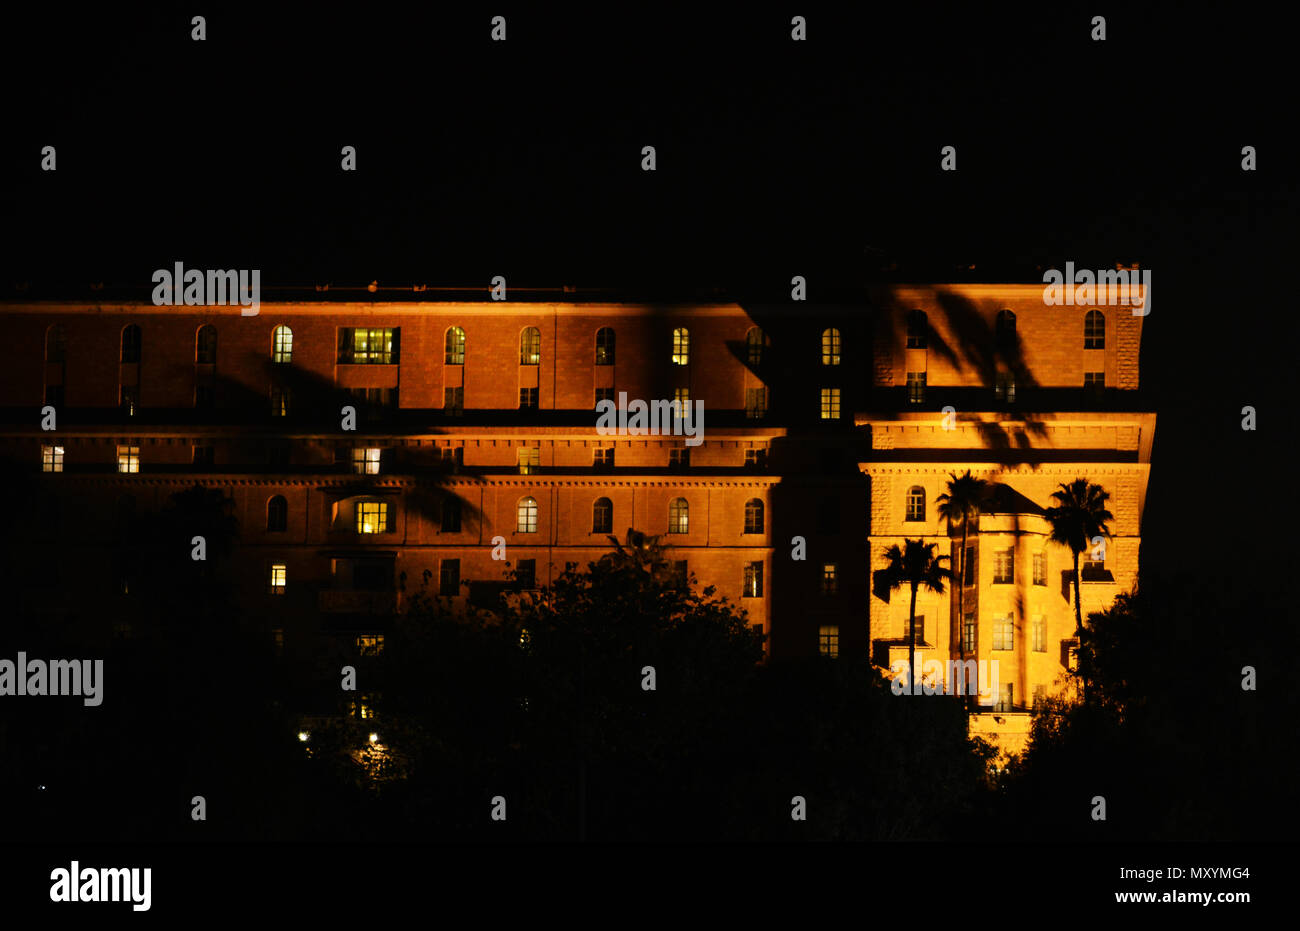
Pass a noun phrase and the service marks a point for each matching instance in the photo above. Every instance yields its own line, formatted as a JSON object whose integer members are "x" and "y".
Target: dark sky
{"x": 774, "y": 158}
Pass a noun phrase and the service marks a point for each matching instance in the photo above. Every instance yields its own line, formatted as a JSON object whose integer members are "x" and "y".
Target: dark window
{"x": 605, "y": 394}
{"x": 679, "y": 457}
{"x": 753, "y": 516}
{"x": 54, "y": 395}
{"x": 204, "y": 456}
{"x": 449, "y": 577}
{"x": 1040, "y": 568}
{"x": 755, "y": 344}
{"x": 602, "y": 516}
{"x": 968, "y": 568}
{"x": 204, "y": 397}
{"x": 603, "y": 458}
{"x": 526, "y": 574}
{"x": 918, "y": 330}
{"x": 1094, "y": 383}
{"x": 205, "y": 345}
{"x": 1004, "y": 566}
{"x": 453, "y": 401}
{"x": 1006, "y": 329}
{"x": 828, "y": 517}
{"x": 372, "y": 575}
{"x": 755, "y": 403}
{"x": 756, "y": 459}
{"x": 916, "y": 503}
{"x": 131, "y": 343}
{"x": 681, "y": 575}
{"x": 916, "y": 387}
{"x": 1005, "y": 388}
{"x": 528, "y": 399}
{"x": 1094, "y": 330}
{"x": 605, "y": 346}
{"x": 753, "y": 580}
{"x": 277, "y": 514}
{"x": 56, "y": 344}
{"x": 129, "y": 399}
{"x": 451, "y": 515}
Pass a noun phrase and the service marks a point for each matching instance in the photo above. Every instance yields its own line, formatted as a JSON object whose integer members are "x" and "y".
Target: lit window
{"x": 1040, "y": 568}
{"x": 374, "y": 517}
{"x": 528, "y": 399}
{"x": 679, "y": 516}
{"x": 830, "y": 578}
{"x": 828, "y": 640}
{"x": 1004, "y": 566}
{"x": 602, "y": 516}
{"x": 755, "y": 403}
{"x": 529, "y": 459}
{"x": 530, "y": 346}
{"x": 370, "y": 644}
{"x": 916, "y": 387}
{"x": 605, "y": 346}
{"x": 755, "y": 344}
{"x": 916, "y": 503}
{"x": 753, "y": 516}
{"x": 918, "y": 329}
{"x": 51, "y": 458}
{"x": 131, "y": 343}
{"x": 282, "y": 345}
{"x": 279, "y": 576}
{"x": 753, "y": 580}
{"x": 681, "y": 402}
{"x": 277, "y": 514}
{"x": 1094, "y": 330}
{"x": 1039, "y": 630}
{"x": 1004, "y": 633}
{"x": 831, "y": 347}
{"x": 453, "y": 401}
{"x": 455, "y": 346}
{"x": 681, "y": 346}
{"x": 128, "y": 459}
{"x": 365, "y": 460}
{"x": 830, "y": 404}
{"x": 369, "y": 345}
{"x": 205, "y": 345}
{"x": 56, "y": 344}
{"x": 526, "y": 515}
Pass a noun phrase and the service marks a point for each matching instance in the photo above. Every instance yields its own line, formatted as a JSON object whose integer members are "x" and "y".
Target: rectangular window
{"x": 129, "y": 399}
{"x": 1006, "y": 388}
{"x": 681, "y": 574}
{"x": 1040, "y": 695}
{"x": 916, "y": 387}
{"x": 279, "y": 575}
{"x": 756, "y": 459}
{"x": 453, "y": 401}
{"x": 365, "y": 460}
{"x": 1039, "y": 630}
{"x": 530, "y": 458}
{"x": 449, "y": 577}
{"x": 1094, "y": 382}
{"x": 603, "y": 458}
{"x": 204, "y": 397}
{"x": 451, "y": 515}
{"x": 54, "y": 395}
{"x": 830, "y": 578}
{"x": 51, "y": 458}
{"x": 374, "y": 517}
{"x": 605, "y": 394}
{"x": 369, "y": 345}
{"x": 968, "y": 634}
{"x": 830, "y": 408}
{"x": 1006, "y": 699}
{"x": 755, "y": 403}
{"x": 681, "y": 401}
{"x": 679, "y": 457}
{"x": 828, "y": 640}
{"x": 753, "y": 580}
{"x": 920, "y": 628}
{"x": 1040, "y": 568}
{"x": 528, "y": 399}
{"x": 526, "y": 574}
{"x": 1004, "y": 633}
{"x": 968, "y": 569}
{"x": 1004, "y": 566}
{"x": 128, "y": 459}
{"x": 370, "y": 644}
{"x": 279, "y": 401}
{"x": 204, "y": 455}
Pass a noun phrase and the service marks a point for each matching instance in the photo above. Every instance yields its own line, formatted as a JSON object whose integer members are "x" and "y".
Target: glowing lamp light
{"x": 374, "y": 738}
{"x": 303, "y": 735}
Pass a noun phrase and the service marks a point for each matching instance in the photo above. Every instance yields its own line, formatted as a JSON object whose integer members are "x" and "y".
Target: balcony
{"x": 359, "y": 602}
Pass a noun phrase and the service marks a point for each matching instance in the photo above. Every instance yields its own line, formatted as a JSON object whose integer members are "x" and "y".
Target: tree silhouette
{"x": 959, "y": 506}
{"x": 1078, "y": 515}
{"x": 915, "y": 566}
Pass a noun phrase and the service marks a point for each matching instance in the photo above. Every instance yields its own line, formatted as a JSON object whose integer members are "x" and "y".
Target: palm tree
{"x": 961, "y": 505}
{"x": 915, "y": 566}
{"x": 1079, "y": 515}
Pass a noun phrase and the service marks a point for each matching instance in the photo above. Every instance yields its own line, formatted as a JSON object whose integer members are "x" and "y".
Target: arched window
{"x": 605, "y": 346}
{"x": 916, "y": 503}
{"x": 131, "y": 343}
{"x": 679, "y": 516}
{"x": 282, "y": 344}
{"x": 277, "y": 514}
{"x": 753, "y": 516}
{"x": 681, "y": 346}
{"x": 526, "y": 515}
{"x": 530, "y": 346}
{"x": 56, "y": 344}
{"x": 455, "y": 344}
{"x": 1094, "y": 330}
{"x": 831, "y": 347}
{"x": 205, "y": 345}
{"x": 755, "y": 343}
{"x": 602, "y": 516}
{"x": 918, "y": 329}
{"x": 1006, "y": 328}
